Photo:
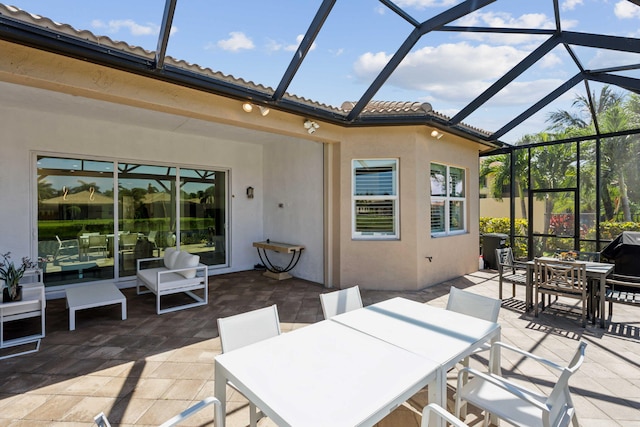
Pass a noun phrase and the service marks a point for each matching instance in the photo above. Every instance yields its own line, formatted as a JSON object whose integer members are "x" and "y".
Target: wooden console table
{"x": 274, "y": 271}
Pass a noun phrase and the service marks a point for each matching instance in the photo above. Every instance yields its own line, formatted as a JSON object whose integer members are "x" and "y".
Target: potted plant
{"x": 12, "y": 291}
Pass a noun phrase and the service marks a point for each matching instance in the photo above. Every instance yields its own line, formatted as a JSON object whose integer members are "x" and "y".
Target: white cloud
{"x": 423, "y": 4}
{"x": 238, "y": 41}
{"x": 293, "y": 47}
{"x": 609, "y": 58}
{"x": 114, "y": 26}
{"x": 626, "y": 10}
{"x": 506, "y": 20}
{"x": 456, "y": 72}
{"x": 275, "y": 46}
{"x": 571, "y": 4}
{"x": 550, "y": 61}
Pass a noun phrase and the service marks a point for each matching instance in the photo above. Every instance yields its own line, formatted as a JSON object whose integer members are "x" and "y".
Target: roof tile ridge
{"x": 42, "y": 21}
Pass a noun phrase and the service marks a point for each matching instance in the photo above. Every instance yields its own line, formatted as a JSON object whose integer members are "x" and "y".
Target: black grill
{"x": 624, "y": 252}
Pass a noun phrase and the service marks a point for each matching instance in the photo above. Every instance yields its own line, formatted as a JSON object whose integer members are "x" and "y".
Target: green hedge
{"x": 65, "y": 229}
{"x": 503, "y": 225}
{"x": 608, "y": 231}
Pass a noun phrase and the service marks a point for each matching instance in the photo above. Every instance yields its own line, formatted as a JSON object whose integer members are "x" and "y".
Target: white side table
{"x": 32, "y": 305}
{"x": 91, "y": 296}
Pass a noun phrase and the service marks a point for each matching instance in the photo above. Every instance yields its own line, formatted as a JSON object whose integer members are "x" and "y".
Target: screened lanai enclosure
{"x": 578, "y": 193}
{"x": 549, "y": 88}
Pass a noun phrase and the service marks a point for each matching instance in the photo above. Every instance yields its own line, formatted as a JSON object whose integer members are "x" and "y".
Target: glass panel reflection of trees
{"x": 608, "y": 191}
{"x": 79, "y": 239}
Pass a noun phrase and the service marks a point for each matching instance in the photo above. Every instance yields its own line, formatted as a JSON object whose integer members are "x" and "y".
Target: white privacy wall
{"x": 293, "y": 203}
{"x": 27, "y": 131}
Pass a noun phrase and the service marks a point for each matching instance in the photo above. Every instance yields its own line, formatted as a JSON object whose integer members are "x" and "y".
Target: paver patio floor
{"x": 143, "y": 370}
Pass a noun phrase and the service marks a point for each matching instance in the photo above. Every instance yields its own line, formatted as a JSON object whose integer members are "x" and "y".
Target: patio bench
{"x": 180, "y": 272}
{"x": 622, "y": 290}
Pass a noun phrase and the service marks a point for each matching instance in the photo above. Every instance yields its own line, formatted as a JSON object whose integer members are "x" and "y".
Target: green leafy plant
{"x": 12, "y": 274}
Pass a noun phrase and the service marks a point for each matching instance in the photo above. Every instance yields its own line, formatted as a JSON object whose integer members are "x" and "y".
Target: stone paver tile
{"x": 184, "y": 389}
{"x": 128, "y": 410}
{"x": 151, "y": 388}
{"x": 18, "y": 406}
{"x": 54, "y": 408}
{"x": 86, "y": 409}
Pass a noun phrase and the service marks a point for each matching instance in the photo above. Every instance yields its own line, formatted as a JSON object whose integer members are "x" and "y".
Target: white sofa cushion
{"x": 185, "y": 260}
{"x": 170, "y": 258}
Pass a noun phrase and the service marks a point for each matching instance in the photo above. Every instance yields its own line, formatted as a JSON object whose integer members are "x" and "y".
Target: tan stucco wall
{"x": 455, "y": 255}
{"x": 399, "y": 264}
{"x": 403, "y": 263}
{"x": 379, "y": 264}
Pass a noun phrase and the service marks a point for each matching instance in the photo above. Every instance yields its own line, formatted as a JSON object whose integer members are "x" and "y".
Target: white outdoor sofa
{"x": 181, "y": 272}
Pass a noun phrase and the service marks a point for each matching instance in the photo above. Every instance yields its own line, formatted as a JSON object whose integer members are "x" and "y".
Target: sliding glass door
{"x": 147, "y": 213}
{"x": 75, "y": 219}
{"x": 203, "y": 214}
{"x": 88, "y": 230}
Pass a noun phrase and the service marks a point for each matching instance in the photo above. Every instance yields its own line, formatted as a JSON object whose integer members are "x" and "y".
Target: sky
{"x": 256, "y": 39}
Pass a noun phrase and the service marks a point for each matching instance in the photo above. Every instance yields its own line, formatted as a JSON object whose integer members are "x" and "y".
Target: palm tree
{"x": 562, "y": 120}
{"x": 612, "y": 115}
{"x": 45, "y": 190}
{"x": 498, "y": 168}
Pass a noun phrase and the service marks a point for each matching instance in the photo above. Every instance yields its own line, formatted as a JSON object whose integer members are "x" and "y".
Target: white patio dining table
{"x": 355, "y": 368}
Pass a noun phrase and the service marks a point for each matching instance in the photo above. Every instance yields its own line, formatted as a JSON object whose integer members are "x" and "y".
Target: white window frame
{"x": 394, "y": 198}
{"x": 447, "y": 199}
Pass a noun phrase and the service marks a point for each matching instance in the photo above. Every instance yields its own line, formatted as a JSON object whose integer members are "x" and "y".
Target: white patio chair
{"x": 247, "y": 328}
{"x": 67, "y": 248}
{"x": 102, "y": 421}
{"x": 512, "y": 402}
{"x": 337, "y": 302}
{"x": 475, "y": 305}
{"x": 439, "y": 412}
{"x": 472, "y": 304}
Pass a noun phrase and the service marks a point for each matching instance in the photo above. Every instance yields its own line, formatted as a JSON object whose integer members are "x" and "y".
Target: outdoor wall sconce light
{"x": 248, "y": 107}
{"x": 310, "y": 126}
{"x": 249, "y": 192}
{"x": 436, "y": 134}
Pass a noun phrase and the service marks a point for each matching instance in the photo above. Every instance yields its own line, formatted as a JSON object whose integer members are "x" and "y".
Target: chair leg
{"x": 513, "y": 290}
{"x": 465, "y": 379}
{"x": 253, "y": 415}
{"x": 500, "y": 287}
{"x": 458, "y": 405}
{"x": 574, "y": 420}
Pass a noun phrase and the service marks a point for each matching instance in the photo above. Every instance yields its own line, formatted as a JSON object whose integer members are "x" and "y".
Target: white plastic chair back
{"x": 337, "y": 302}
{"x": 247, "y": 328}
{"x": 475, "y": 305}
{"x": 560, "y": 398}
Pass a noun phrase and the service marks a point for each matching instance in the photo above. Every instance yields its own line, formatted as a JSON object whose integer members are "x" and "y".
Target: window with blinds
{"x": 448, "y": 200}
{"x": 375, "y": 198}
